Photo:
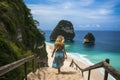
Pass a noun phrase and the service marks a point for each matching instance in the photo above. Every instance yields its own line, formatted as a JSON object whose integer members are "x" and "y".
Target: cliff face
{"x": 19, "y": 36}
{"x": 64, "y": 28}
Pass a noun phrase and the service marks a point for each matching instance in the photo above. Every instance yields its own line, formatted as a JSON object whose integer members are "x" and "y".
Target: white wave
{"x": 80, "y": 57}
{"x": 48, "y": 43}
{"x": 67, "y": 45}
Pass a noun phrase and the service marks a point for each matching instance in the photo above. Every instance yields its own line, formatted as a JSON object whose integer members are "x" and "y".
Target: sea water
{"x": 107, "y": 45}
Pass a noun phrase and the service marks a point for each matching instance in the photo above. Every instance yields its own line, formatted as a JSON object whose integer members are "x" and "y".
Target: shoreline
{"x": 95, "y": 74}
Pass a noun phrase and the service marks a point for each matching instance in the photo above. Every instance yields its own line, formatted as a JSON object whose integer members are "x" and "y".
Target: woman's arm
{"x": 65, "y": 53}
{"x": 53, "y": 52}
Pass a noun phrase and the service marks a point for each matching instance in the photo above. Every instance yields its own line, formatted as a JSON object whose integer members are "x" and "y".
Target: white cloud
{"x": 85, "y": 2}
{"x": 90, "y": 25}
{"x": 74, "y": 11}
{"x": 98, "y": 25}
{"x": 66, "y": 11}
{"x": 76, "y": 2}
{"x": 67, "y": 5}
{"x": 104, "y": 11}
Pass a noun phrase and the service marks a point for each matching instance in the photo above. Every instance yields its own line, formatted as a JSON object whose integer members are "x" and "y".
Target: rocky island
{"x": 89, "y": 38}
{"x": 64, "y": 28}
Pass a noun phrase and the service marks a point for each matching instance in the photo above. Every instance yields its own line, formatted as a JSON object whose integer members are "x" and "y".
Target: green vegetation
{"x": 19, "y": 36}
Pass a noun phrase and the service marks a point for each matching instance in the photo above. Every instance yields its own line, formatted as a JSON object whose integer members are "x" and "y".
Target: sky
{"x": 83, "y": 14}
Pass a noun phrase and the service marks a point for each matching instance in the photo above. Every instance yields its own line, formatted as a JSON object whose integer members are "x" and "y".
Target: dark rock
{"x": 64, "y": 28}
{"x": 89, "y": 38}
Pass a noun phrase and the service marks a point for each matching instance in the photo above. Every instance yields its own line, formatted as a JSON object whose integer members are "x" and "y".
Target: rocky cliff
{"x": 19, "y": 36}
{"x": 64, "y": 28}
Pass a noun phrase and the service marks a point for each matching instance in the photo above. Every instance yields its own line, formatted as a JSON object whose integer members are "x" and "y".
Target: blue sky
{"x": 84, "y": 14}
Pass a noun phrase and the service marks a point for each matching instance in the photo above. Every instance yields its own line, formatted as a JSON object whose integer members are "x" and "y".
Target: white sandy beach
{"x": 68, "y": 73}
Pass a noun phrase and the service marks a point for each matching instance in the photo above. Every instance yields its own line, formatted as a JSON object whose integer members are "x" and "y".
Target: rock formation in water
{"x": 64, "y": 28}
{"x": 89, "y": 38}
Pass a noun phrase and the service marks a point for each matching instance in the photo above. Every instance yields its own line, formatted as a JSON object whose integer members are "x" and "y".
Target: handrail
{"x": 112, "y": 71}
{"x": 108, "y": 69}
{"x": 6, "y": 68}
{"x": 98, "y": 65}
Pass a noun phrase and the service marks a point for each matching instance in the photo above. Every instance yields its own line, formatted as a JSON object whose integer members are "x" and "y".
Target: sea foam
{"x": 80, "y": 57}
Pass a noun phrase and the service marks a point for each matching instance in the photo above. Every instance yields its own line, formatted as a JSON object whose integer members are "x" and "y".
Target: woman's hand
{"x": 51, "y": 55}
{"x": 65, "y": 57}
{"x": 53, "y": 52}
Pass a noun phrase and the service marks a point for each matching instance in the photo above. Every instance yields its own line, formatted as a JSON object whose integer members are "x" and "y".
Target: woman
{"x": 60, "y": 53}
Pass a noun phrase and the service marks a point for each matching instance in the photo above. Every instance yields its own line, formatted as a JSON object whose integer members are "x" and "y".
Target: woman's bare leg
{"x": 58, "y": 70}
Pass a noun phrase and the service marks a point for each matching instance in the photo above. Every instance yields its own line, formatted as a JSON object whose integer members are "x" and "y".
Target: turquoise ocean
{"x": 107, "y": 45}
